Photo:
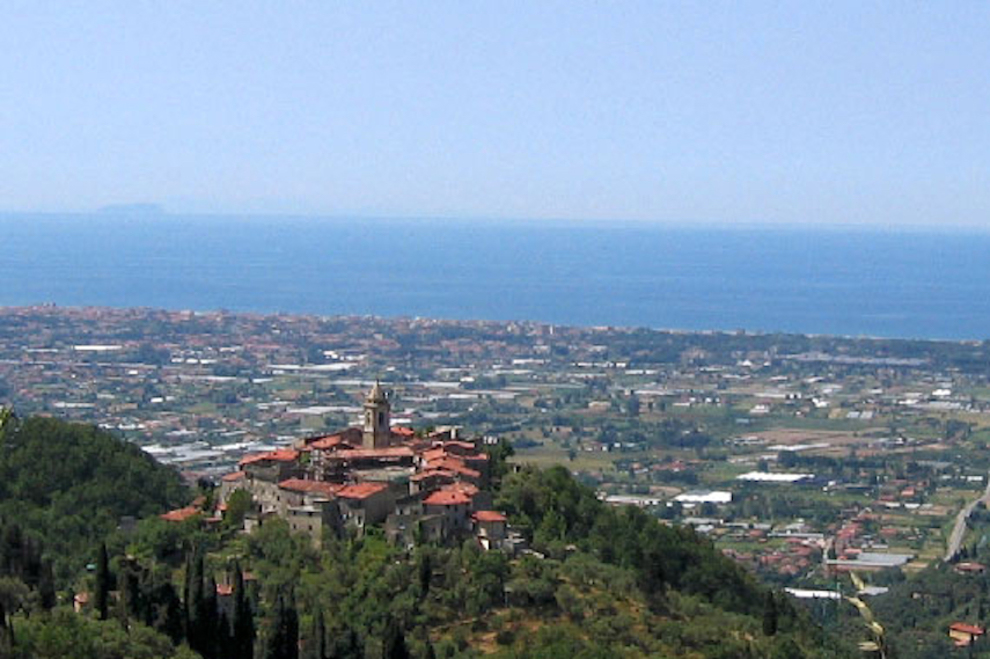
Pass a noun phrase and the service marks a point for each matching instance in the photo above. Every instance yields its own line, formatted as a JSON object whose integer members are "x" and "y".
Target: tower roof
{"x": 377, "y": 394}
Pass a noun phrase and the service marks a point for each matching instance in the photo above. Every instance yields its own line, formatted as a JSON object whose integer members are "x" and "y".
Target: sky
{"x": 785, "y": 113}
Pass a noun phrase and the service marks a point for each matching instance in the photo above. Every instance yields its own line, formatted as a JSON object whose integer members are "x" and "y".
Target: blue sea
{"x": 846, "y": 282}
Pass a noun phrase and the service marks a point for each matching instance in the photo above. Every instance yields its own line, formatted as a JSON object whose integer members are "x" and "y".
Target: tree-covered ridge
{"x": 67, "y": 485}
{"x": 559, "y": 514}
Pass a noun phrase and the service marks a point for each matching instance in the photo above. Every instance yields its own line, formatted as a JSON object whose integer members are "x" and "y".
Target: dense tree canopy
{"x": 69, "y": 484}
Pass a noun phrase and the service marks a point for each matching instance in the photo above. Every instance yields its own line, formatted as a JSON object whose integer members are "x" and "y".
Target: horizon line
{"x": 144, "y": 211}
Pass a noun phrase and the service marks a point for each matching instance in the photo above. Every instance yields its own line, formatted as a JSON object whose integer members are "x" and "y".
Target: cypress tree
{"x": 283, "y": 637}
{"x": 209, "y": 627}
{"x": 11, "y": 550}
{"x": 770, "y": 614}
{"x": 102, "y": 595}
{"x": 243, "y": 623}
{"x": 225, "y": 639}
{"x": 46, "y": 585}
{"x": 394, "y": 642}
{"x": 5, "y": 637}
{"x": 3, "y": 621}
{"x": 187, "y": 598}
{"x": 195, "y": 604}
{"x": 131, "y": 592}
{"x": 347, "y": 645}
{"x": 171, "y": 614}
{"x": 291, "y": 618}
{"x": 425, "y": 569}
{"x": 316, "y": 644}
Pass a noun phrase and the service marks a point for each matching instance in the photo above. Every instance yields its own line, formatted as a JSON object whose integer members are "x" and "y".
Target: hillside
{"x": 66, "y": 486}
{"x": 600, "y": 582}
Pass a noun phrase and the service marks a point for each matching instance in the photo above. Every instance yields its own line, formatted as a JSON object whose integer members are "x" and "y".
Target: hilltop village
{"x": 421, "y": 488}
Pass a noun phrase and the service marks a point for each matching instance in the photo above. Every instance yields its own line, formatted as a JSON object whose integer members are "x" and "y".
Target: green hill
{"x": 66, "y": 486}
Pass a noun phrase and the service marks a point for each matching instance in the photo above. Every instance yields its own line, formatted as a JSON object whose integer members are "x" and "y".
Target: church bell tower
{"x": 377, "y": 421}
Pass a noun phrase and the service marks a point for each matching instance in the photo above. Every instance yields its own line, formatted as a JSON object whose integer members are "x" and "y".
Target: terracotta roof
{"x": 235, "y": 476}
{"x": 469, "y": 489}
{"x": 459, "y": 444}
{"x": 404, "y": 432}
{"x": 330, "y": 442}
{"x": 224, "y": 590}
{"x": 447, "y": 498}
{"x": 434, "y": 454}
{"x": 489, "y": 516}
{"x": 966, "y": 628}
{"x": 373, "y": 453}
{"x": 317, "y": 487}
{"x": 432, "y": 473}
{"x": 278, "y": 455}
{"x": 180, "y": 514}
{"x": 454, "y": 465}
{"x": 361, "y": 490}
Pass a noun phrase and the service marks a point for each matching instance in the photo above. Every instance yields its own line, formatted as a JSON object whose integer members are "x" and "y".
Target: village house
{"x": 364, "y": 504}
{"x": 490, "y": 528}
{"x": 964, "y": 635}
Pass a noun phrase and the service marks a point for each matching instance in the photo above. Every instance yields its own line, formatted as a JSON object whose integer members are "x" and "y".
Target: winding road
{"x": 959, "y": 530}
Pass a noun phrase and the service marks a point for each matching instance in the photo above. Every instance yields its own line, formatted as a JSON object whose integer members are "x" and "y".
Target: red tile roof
{"x": 361, "y": 490}
{"x": 489, "y": 516}
{"x": 278, "y": 455}
{"x": 456, "y": 443}
{"x": 315, "y": 487}
{"x": 373, "y": 453}
{"x": 447, "y": 498}
{"x": 966, "y": 628}
{"x": 235, "y": 476}
{"x": 330, "y": 442}
{"x": 180, "y": 514}
{"x": 434, "y": 454}
{"x": 404, "y": 432}
{"x": 460, "y": 486}
{"x": 455, "y": 465}
{"x": 432, "y": 473}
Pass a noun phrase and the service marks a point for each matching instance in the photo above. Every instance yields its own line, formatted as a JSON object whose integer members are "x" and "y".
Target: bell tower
{"x": 377, "y": 421}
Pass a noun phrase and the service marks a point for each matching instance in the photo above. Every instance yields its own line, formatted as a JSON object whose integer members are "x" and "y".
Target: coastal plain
{"x": 799, "y": 456}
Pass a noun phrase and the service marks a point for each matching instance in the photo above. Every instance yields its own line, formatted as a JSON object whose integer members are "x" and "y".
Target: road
{"x": 959, "y": 530}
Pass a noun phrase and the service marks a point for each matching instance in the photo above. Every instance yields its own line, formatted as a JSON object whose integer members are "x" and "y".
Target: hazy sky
{"x": 783, "y": 112}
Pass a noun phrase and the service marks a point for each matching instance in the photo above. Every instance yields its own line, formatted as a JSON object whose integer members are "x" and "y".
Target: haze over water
{"x": 855, "y": 282}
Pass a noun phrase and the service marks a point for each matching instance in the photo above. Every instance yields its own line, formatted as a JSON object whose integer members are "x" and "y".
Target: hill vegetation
{"x": 66, "y": 486}
{"x": 600, "y": 581}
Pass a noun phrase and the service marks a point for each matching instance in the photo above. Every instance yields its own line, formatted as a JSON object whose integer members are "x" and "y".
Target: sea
{"x": 850, "y": 282}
